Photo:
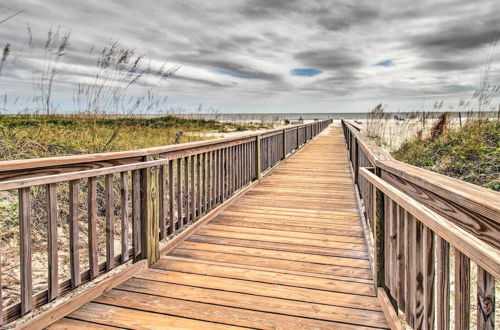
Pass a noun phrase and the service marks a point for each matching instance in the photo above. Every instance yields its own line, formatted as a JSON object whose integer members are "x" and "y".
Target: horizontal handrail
{"x": 414, "y": 217}
{"x": 483, "y": 254}
{"x": 22, "y": 164}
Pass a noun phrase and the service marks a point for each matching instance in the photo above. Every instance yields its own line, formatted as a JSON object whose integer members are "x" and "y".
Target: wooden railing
{"x": 134, "y": 199}
{"x": 415, "y": 219}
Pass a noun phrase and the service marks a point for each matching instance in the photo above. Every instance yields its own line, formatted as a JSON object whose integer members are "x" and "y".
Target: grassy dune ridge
{"x": 470, "y": 153}
{"x": 43, "y": 136}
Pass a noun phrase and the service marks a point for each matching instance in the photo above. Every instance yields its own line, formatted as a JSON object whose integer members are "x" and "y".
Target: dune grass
{"x": 43, "y": 136}
{"x": 470, "y": 153}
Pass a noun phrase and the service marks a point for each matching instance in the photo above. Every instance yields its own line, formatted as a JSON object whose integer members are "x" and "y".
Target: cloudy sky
{"x": 268, "y": 56}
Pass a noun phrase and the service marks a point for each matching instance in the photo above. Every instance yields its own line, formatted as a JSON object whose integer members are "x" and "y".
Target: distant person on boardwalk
{"x": 300, "y": 119}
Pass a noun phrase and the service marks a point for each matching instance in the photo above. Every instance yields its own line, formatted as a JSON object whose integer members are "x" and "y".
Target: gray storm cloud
{"x": 239, "y": 55}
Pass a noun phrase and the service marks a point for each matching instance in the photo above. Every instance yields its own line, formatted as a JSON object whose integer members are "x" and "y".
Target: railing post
{"x": 284, "y": 144}
{"x": 150, "y": 212}
{"x": 257, "y": 158}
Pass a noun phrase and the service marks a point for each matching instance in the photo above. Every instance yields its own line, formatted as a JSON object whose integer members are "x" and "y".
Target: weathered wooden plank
{"x": 92, "y": 227}
{"x": 136, "y": 212}
{"x": 162, "y": 191}
{"x": 193, "y": 187}
{"x": 418, "y": 275}
{"x": 110, "y": 221}
{"x": 428, "y": 272}
{"x": 485, "y": 300}
{"x": 268, "y": 304}
{"x": 462, "y": 291}
{"x": 443, "y": 284}
{"x": 124, "y": 216}
{"x": 198, "y": 185}
{"x": 331, "y": 298}
{"x": 150, "y": 216}
{"x": 52, "y": 246}
{"x": 179, "y": 196}
{"x": 74, "y": 246}
{"x": 187, "y": 194}
{"x": 409, "y": 274}
{"x": 25, "y": 244}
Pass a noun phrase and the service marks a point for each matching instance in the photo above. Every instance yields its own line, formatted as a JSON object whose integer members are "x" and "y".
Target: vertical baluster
{"x": 203, "y": 183}
{"x": 25, "y": 249}
{"x": 179, "y": 194}
{"x": 198, "y": 185}
{"x": 428, "y": 263}
{"x": 409, "y": 274}
{"x": 231, "y": 169}
{"x": 171, "y": 194}
{"x": 387, "y": 243}
{"x": 110, "y": 225}
{"x": 187, "y": 212}
{"x": 418, "y": 304}
{"x": 223, "y": 174}
{"x": 193, "y": 191}
{"x": 214, "y": 178}
{"x": 53, "y": 289}
{"x": 236, "y": 167}
{"x": 124, "y": 214}
{"x": 209, "y": 179}
{"x": 443, "y": 284}
{"x": 92, "y": 227}
{"x": 162, "y": 191}
{"x": 216, "y": 175}
{"x": 462, "y": 291}
{"x": 136, "y": 212}
{"x": 226, "y": 173}
{"x": 485, "y": 299}
{"x": 73, "y": 236}
{"x": 400, "y": 257}
{"x": 246, "y": 152}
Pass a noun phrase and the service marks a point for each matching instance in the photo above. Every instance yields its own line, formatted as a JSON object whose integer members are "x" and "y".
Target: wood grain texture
{"x": 462, "y": 291}
{"x": 25, "y": 250}
{"x": 52, "y": 247}
{"x": 443, "y": 284}
{"x": 485, "y": 300}
{"x": 268, "y": 271}
{"x": 74, "y": 229}
{"x": 110, "y": 221}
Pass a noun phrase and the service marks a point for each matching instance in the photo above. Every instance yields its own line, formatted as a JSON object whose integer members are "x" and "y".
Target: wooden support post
{"x": 150, "y": 215}
{"x": 284, "y": 144}
{"x": 257, "y": 158}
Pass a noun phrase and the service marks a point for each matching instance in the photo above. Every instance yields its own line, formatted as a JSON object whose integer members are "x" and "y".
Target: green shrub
{"x": 470, "y": 153}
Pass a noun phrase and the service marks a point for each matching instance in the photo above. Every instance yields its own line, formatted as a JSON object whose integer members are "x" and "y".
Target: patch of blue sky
{"x": 385, "y": 63}
{"x": 232, "y": 74}
{"x": 305, "y": 72}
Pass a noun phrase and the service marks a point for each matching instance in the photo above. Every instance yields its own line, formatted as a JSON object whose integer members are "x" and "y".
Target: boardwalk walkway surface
{"x": 290, "y": 253}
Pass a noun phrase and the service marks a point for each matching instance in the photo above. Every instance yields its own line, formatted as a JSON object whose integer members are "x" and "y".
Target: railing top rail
{"x": 24, "y": 164}
{"x": 482, "y": 253}
{"x": 475, "y": 198}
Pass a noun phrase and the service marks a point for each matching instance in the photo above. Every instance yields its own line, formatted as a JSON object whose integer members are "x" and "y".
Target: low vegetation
{"x": 43, "y": 136}
{"x": 470, "y": 153}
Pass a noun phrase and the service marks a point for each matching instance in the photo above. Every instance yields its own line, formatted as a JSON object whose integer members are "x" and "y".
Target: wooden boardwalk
{"x": 289, "y": 253}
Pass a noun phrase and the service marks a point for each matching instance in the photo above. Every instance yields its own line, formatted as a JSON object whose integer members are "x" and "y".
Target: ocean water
{"x": 293, "y": 117}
